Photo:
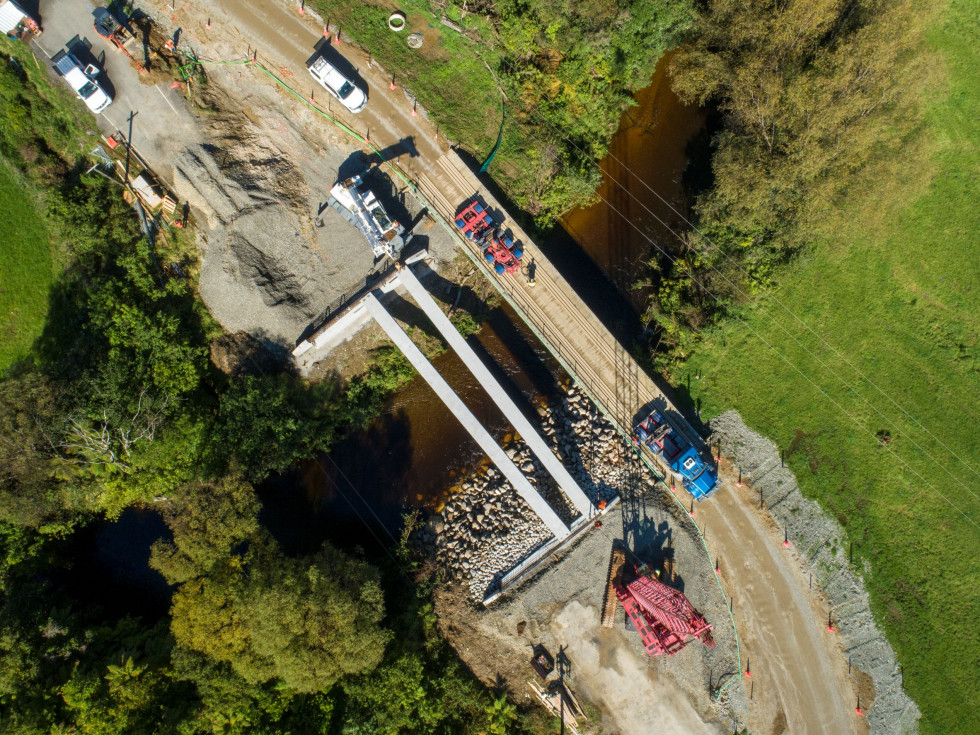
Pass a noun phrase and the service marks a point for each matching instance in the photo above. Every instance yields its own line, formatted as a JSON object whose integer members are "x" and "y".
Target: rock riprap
{"x": 485, "y": 529}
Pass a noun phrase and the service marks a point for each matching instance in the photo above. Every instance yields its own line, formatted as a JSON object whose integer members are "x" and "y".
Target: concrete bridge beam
{"x": 510, "y": 410}
{"x": 463, "y": 414}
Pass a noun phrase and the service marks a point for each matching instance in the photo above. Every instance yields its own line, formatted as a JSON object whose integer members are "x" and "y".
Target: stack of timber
{"x": 561, "y": 702}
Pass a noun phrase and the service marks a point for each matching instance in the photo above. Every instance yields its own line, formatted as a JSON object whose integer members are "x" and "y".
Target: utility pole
{"x": 129, "y": 144}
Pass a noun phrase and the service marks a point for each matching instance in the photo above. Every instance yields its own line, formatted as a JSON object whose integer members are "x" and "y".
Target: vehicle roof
{"x": 66, "y": 63}
{"x": 10, "y": 16}
{"x": 76, "y": 77}
{"x": 329, "y": 74}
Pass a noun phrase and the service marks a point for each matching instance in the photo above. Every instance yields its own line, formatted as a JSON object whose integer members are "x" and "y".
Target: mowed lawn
{"x": 26, "y": 270}
{"x": 892, "y": 295}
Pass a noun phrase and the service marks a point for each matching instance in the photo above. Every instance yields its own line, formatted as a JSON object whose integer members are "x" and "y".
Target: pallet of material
{"x": 558, "y": 704}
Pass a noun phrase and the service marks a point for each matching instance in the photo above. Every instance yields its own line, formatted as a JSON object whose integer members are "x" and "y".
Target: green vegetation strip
{"x": 26, "y": 268}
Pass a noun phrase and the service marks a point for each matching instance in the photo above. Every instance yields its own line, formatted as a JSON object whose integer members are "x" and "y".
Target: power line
{"x": 361, "y": 497}
{"x": 772, "y": 295}
{"x": 398, "y": 562}
{"x": 766, "y": 313}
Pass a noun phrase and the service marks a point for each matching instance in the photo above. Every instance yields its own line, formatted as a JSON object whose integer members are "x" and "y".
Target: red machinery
{"x": 499, "y": 250}
{"x": 504, "y": 259}
{"x": 475, "y": 222}
{"x": 664, "y": 618}
{"x": 116, "y": 32}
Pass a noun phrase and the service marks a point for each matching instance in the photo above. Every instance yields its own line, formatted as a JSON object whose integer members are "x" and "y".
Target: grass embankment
{"x": 25, "y": 269}
{"x": 894, "y": 286}
{"x": 42, "y": 130}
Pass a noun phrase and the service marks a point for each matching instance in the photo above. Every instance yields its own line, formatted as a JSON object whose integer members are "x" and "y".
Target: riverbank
{"x": 559, "y": 608}
{"x": 484, "y": 529}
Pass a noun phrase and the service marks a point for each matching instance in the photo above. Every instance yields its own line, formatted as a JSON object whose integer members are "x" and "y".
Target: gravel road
{"x": 812, "y": 534}
{"x": 163, "y": 126}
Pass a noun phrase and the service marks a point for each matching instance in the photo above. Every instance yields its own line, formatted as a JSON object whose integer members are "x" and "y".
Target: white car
{"x": 84, "y": 80}
{"x": 350, "y": 96}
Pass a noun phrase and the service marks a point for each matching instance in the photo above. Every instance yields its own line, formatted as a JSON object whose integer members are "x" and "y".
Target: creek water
{"x": 644, "y": 196}
{"x": 416, "y": 451}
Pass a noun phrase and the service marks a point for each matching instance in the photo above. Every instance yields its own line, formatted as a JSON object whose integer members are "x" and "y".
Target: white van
{"x": 84, "y": 80}
{"x": 350, "y": 96}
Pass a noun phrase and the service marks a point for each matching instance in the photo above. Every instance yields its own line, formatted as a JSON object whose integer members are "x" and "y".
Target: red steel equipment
{"x": 116, "y": 31}
{"x": 664, "y": 618}
{"x": 504, "y": 259}
{"x": 475, "y": 222}
{"x": 499, "y": 250}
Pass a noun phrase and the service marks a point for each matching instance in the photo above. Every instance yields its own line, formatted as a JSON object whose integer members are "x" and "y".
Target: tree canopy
{"x": 807, "y": 93}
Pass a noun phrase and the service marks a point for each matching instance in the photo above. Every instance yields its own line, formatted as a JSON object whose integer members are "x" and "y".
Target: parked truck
{"x": 675, "y": 454}
{"x": 356, "y": 203}
{"x": 83, "y": 79}
{"x": 343, "y": 89}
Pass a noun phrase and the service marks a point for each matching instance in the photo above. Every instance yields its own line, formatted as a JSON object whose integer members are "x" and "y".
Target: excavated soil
{"x": 256, "y": 179}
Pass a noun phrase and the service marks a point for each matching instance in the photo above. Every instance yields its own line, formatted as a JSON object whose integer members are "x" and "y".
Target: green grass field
{"x": 26, "y": 269}
{"x": 893, "y": 289}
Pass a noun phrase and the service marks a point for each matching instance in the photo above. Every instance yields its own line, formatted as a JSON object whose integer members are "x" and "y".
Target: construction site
{"x": 604, "y": 560}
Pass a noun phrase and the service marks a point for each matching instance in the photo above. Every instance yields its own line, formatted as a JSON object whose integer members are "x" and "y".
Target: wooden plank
{"x": 610, "y": 603}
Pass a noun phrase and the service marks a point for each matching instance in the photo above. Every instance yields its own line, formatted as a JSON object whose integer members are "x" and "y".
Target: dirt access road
{"x": 799, "y": 678}
{"x": 796, "y": 672}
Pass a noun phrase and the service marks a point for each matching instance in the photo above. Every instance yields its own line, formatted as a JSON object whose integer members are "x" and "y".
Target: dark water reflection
{"x": 416, "y": 451}
{"x": 648, "y": 157}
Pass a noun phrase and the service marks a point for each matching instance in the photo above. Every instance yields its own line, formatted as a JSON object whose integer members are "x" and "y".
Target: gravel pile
{"x": 820, "y": 545}
{"x": 486, "y": 529}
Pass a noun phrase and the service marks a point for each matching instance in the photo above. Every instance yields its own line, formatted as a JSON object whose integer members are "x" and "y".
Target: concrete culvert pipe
{"x": 396, "y": 21}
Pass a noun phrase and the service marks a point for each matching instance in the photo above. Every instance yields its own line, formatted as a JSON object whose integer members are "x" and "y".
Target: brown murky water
{"x": 416, "y": 451}
{"x": 647, "y": 158}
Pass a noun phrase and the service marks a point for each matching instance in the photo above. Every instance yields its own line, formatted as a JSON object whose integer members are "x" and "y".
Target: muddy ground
{"x": 258, "y": 183}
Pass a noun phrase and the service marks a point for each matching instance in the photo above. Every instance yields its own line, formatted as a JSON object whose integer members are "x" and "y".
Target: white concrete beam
{"x": 466, "y": 417}
{"x": 517, "y": 419}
